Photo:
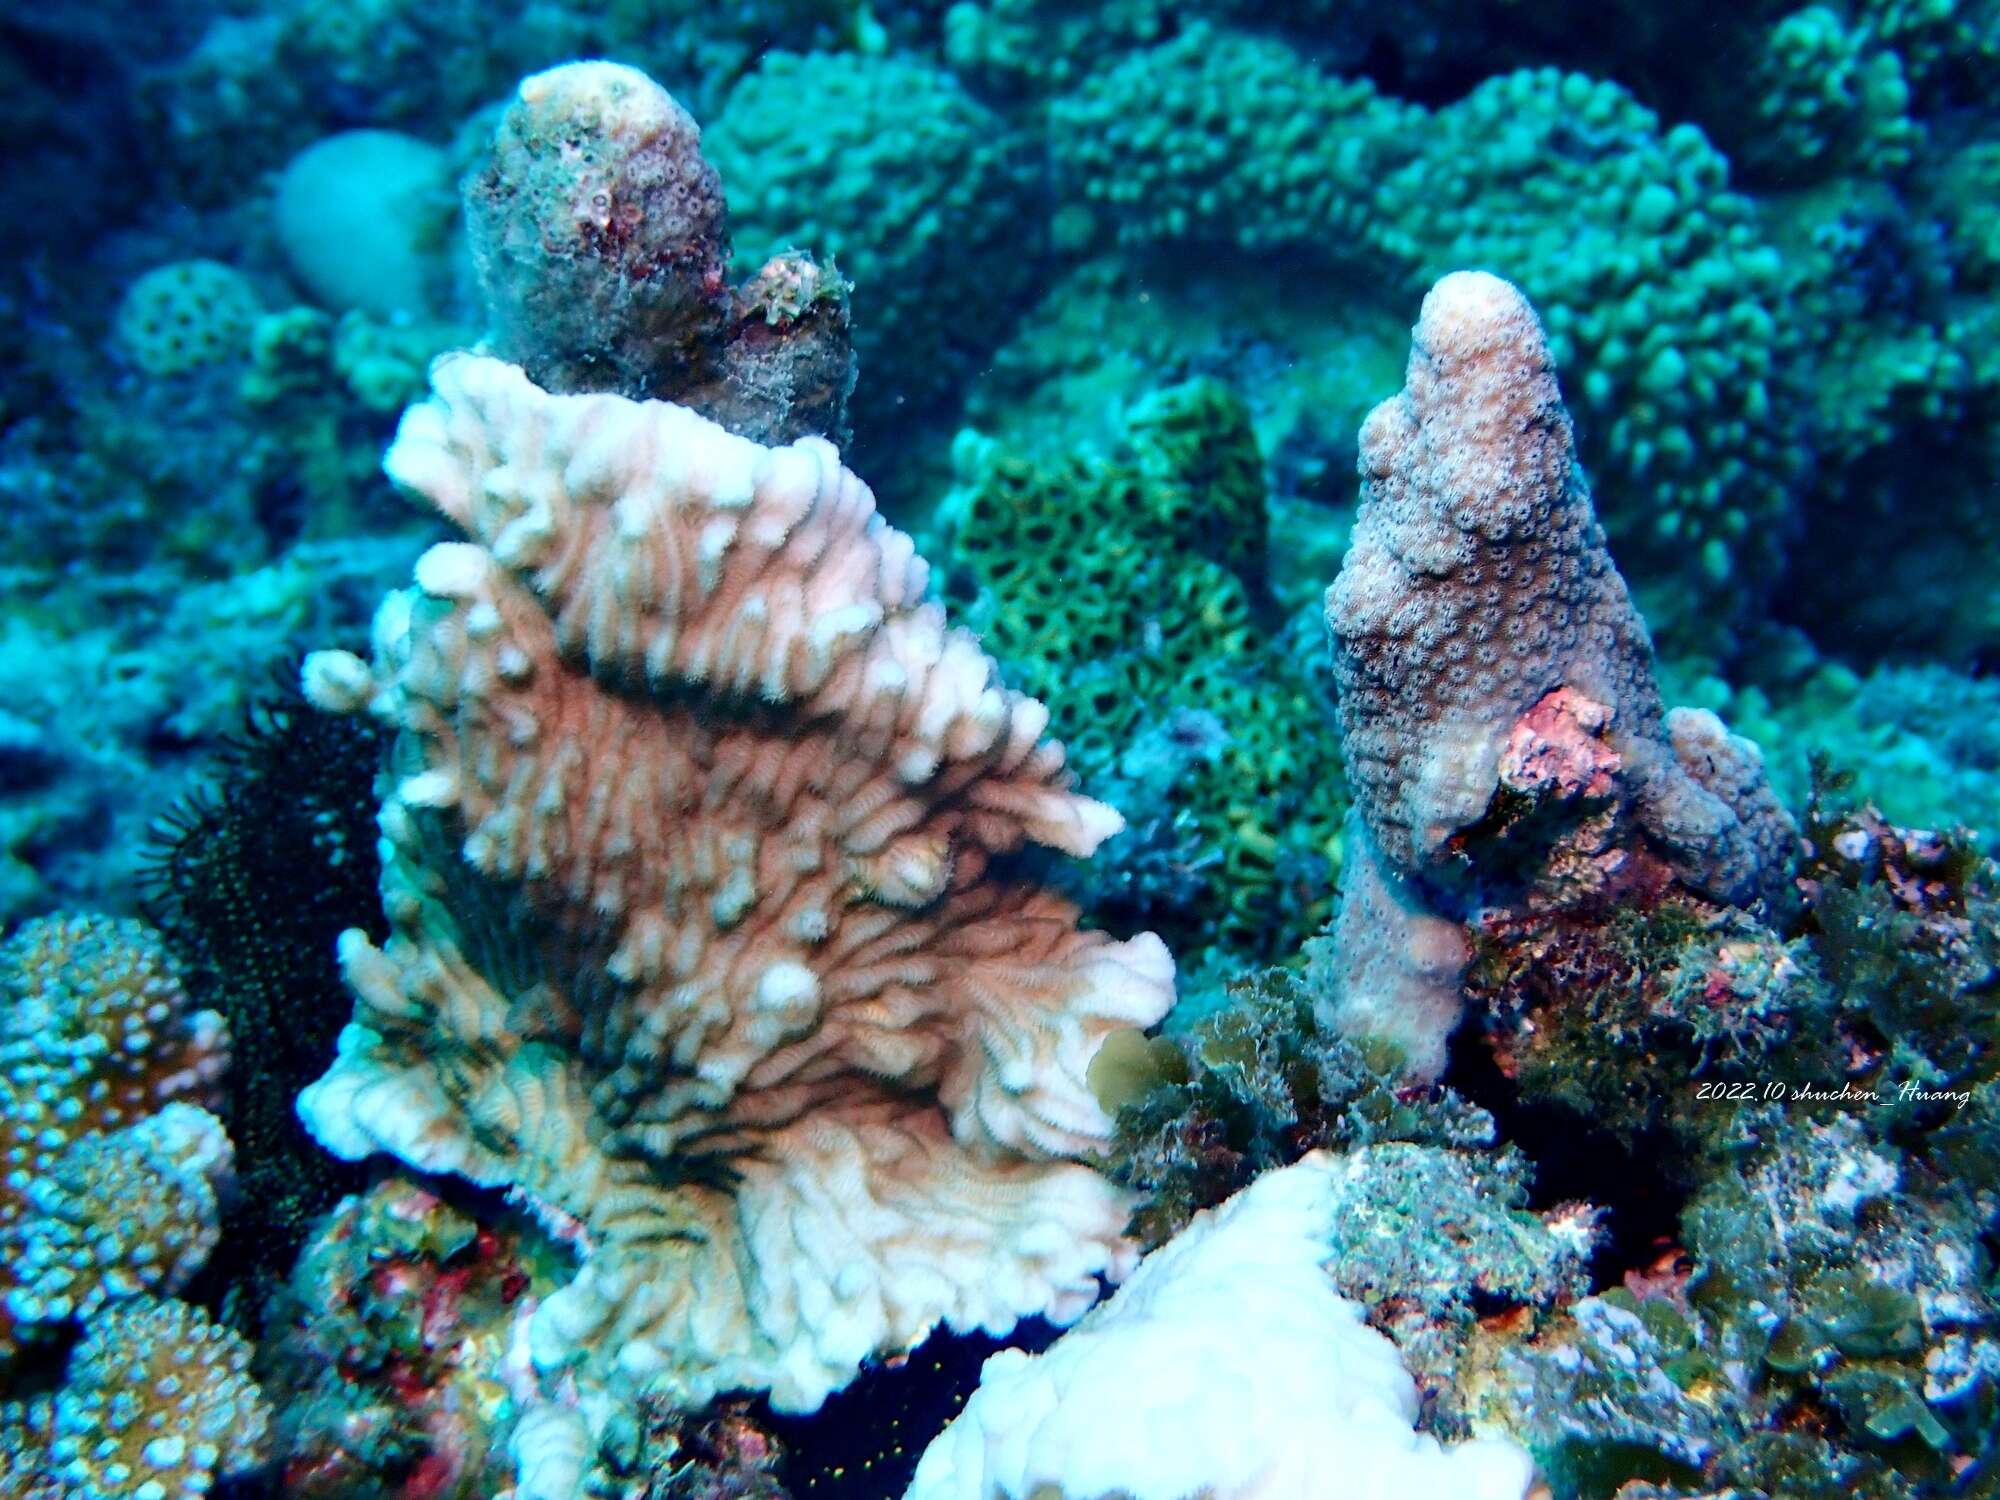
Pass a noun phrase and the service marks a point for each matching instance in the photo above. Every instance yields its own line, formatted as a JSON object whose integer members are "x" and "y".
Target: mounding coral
{"x": 699, "y": 935}
{"x": 111, "y": 1166}
{"x": 1228, "y": 1366}
{"x": 157, "y": 1401}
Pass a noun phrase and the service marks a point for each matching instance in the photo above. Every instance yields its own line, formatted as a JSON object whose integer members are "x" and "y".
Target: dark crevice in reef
{"x": 865, "y": 1441}
{"x": 1575, "y": 1159}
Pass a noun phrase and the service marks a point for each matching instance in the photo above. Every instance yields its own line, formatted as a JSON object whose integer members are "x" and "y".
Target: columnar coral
{"x": 602, "y": 242}
{"x": 1499, "y": 719}
{"x": 699, "y": 935}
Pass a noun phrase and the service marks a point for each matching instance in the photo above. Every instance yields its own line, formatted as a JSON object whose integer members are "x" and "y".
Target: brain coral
{"x": 697, "y": 939}
{"x": 1126, "y": 591}
{"x": 916, "y": 191}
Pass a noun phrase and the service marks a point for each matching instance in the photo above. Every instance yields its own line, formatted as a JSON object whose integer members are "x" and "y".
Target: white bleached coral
{"x": 1227, "y": 1367}
{"x": 697, "y": 941}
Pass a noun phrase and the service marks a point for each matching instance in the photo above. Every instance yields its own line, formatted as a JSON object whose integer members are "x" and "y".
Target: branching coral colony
{"x": 694, "y": 827}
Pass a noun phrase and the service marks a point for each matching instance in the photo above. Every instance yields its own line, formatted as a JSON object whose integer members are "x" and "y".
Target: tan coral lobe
{"x": 698, "y": 937}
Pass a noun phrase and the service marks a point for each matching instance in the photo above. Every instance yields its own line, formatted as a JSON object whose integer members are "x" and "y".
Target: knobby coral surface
{"x": 1499, "y": 717}
{"x": 702, "y": 940}
{"x": 108, "y": 1187}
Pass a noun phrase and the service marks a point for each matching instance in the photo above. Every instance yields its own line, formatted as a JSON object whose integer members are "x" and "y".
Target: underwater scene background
{"x": 1122, "y": 751}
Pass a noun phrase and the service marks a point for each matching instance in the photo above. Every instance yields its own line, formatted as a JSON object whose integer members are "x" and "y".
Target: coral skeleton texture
{"x": 694, "y": 833}
{"x": 1500, "y": 721}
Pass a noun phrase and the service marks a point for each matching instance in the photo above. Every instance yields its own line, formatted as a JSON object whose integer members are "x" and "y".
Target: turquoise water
{"x": 707, "y": 711}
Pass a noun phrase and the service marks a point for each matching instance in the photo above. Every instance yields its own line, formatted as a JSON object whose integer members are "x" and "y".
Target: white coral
{"x": 1228, "y": 1367}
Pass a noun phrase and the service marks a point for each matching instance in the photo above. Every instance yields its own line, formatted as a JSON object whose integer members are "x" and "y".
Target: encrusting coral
{"x": 1500, "y": 723}
{"x": 700, "y": 939}
{"x": 1128, "y": 591}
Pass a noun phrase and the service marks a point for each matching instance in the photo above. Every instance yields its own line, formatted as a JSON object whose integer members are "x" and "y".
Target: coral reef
{"x": 117, "y": 698}
{"x": 1809, "y": 1342}
{"x": 105, "y": 1194}
{"x": 708, "y": 1012}
{"x": 1500, "y": 724}
{"x": 1228, "y": 1366}
{"x": 1128, "y": 592}
{"x": 735, "y": 980}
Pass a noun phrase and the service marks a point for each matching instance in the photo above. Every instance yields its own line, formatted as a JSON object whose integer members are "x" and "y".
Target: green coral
{"x": 1665, "y": 308}
{"x": 1256, "y": 1085}
{"x": 1828, "y": 99}
{"x": 1228, "y": 139}
{"x": 1662, "y": 294}
{"x": 886, "y": 168}
{"x": 1124, "y": 591}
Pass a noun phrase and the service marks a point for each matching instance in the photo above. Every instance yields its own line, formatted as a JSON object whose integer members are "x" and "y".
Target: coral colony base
{"x": 718, "y": 996}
